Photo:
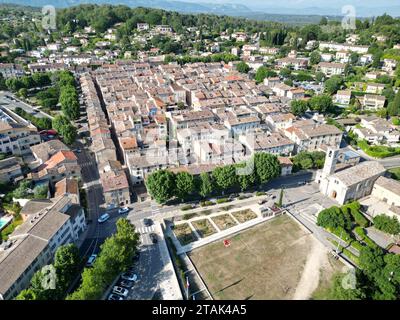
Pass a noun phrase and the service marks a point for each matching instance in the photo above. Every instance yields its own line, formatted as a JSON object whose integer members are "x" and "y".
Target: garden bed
{"x": 224, "y": 221}
{"x": 244, "y": 215}
{"x": 184, "y": 233}
{"x": 204, "y": 227}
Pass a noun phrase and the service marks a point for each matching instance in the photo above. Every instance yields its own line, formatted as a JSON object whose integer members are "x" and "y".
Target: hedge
{"x": 378, "y": 151}
{"x": 354, "y": 209}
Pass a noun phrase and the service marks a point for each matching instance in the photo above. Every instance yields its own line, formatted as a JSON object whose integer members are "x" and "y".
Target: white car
{"x": 123, "y": 210}
{"x": 103, "y": 218}
{"x": 121, "y": 291}
{"x": 129, "y": 276}
{"x": 114, "y": 296}
{"x": 91, "y": 260}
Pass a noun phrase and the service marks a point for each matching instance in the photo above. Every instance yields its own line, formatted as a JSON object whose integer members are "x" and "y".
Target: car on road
{"x": 121, "y": 291}
{"x": 301, "y": 183}
{"x": 147, "y": 222}
{"x": 126, "y": 284}
{"x": 233, "y": 196}
{"x": 153, "y": 237}
{"x": 262, "y": 201}
{"x": 129, "y": 276}
{"x": 114, "y": 296}
{"x": 91, "y": 260}
{"x": 123, "y": 210}
{"x": 77, "y": 150}
{"x": 103, "y": 218}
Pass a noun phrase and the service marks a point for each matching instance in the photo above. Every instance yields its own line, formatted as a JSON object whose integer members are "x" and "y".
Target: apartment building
{"x": 310, "y": 136}
{"x": 16, "y": 138}
{"x": 33, "y": 244}
{"x": 10, "y": 170}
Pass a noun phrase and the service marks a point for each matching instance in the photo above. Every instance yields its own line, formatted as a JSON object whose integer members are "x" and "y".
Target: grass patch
{"x": 11, "y": 227}
{"x": 395, "y": 173}
{"x": 204, "y": 227}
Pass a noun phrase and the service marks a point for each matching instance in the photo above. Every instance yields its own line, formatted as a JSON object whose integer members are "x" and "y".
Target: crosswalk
{"x": 143, "y": 230}
{"x": 87, "y": 164}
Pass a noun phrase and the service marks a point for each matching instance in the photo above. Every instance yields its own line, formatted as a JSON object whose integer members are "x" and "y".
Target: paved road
{"x": 13, "y": 104}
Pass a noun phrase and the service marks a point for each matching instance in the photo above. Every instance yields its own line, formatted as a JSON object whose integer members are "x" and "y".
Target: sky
{"x": 325, "y": 7}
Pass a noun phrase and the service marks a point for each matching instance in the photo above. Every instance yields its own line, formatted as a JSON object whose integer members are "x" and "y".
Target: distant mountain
{"x": 180, "y": 6}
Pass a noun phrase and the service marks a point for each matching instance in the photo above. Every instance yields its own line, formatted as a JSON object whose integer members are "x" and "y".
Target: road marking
{"x": 146, "y": 229}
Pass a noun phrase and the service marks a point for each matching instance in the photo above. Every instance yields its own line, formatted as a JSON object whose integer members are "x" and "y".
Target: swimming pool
{"x": 4, "y": 221}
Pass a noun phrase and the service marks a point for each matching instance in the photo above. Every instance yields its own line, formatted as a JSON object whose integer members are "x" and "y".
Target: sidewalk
{"x": 168, "y": 284}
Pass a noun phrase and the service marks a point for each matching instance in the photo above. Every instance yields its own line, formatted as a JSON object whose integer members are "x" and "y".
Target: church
{"x": 348, "y": 184}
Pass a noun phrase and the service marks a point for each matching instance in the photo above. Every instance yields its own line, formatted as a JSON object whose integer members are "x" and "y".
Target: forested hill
{"x": 105, "y": 16}
{"x": 187, "y": 7}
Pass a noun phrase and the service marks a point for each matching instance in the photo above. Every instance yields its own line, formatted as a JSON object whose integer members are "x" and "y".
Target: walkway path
{"x": 317, "y": 258}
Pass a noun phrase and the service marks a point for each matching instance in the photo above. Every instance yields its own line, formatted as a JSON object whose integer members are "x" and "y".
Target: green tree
{"x": 319, "y": 76}
{"x": 246, "y": 179}
{"x": 205, "y": 185}
{"x": 322, "y": 104}
{"x": 371, "y": 260}
{"x": 160, "y": 185}
{"x": 184, "y": 185}
{"x": 393, "y": 108}
{"x": 261, "y": 74}
{"x": 266, "y": 166}
{"x": 69, "y": 134}
{"x": 340, "y": 292}
{"x": 387, "y": 224}
{"x": 225, "y": 177}
{"x": 26, "y": 294}
{"x": 298, "y": 107}
{"x": 315, "y": 57}
{"x": 59, "y": 122}
{"x": 333, "y": 84}
{"x": 243, "y": 67}
{"x": 66, "y": 263}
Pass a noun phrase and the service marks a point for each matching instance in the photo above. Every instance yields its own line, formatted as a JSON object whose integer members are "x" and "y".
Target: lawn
{"x": 395, "y": 173}
{"x": 184, "y": 233}
{"x": 264, "y": 262}
{"x": 224, "y": 221}
{"x": 378, "y": 151}
{"x": 244, "y": 215}
{"x": 204, "y": 227}
{"x": 326, "y": 279}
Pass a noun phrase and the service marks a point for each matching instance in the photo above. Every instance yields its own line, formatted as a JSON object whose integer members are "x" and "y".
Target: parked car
{"x": 262, "y": 201}
{"x": 114, "y": 296}
{"x": 147, "y": 222}
{"x": 233, "y": 196}
{"x": 153, "y": 237}
{"x": 120, "y": 291}
{"x": 129, "y": 276}
{"x": 91, "y": 260}
{"x": 126, "y": 284}
{"x": 123, "y": 210}
{"x": 103, "y": 218}
{"x": 301, "y": 183}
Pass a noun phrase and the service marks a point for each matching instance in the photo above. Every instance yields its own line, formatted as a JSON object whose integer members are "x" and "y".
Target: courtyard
{"x": 277, "y": 259}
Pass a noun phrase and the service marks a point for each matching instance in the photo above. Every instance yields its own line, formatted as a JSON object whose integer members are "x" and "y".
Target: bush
{"x": 354, "y": 209}
{"x": 387, "y": 224}
{"x": 333, "y": 218}
{"x": 260, "y": 193}
{"x": 367, "y": 240}
{"x": 206, "y": 203}
{"x": 186, "y": 207}
{"x": 222, "y": 200}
